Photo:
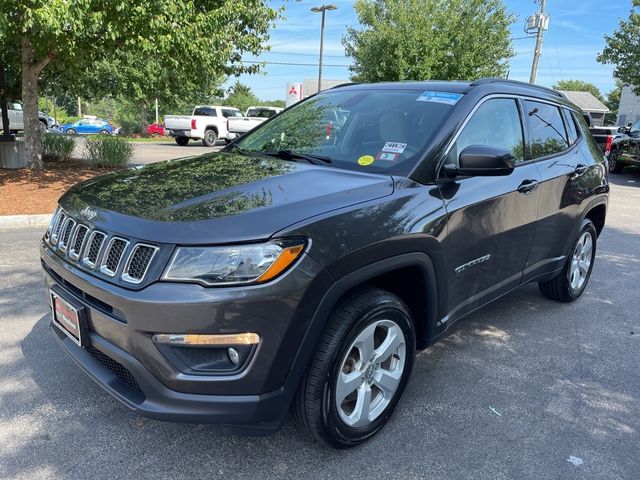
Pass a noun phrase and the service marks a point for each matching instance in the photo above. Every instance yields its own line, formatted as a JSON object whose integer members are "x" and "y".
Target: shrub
{"x": 58, "y": 147}
{"x": 105, "y": 150}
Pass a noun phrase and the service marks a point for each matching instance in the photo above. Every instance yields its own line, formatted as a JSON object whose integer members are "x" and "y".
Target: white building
{"x": 629, "y": 109}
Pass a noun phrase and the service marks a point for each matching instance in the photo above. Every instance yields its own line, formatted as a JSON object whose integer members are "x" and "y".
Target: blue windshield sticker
{"x": 440, "y": 97}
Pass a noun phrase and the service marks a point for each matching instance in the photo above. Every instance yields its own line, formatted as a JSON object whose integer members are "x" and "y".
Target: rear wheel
{"x": 359, "y": 370}
{"x": 614, "y": 165}
{"x": 43, "y": 126}
{"x": 570, "y": 284}
{"x": 210, "y": 138}
{"x": 182, "y": 141}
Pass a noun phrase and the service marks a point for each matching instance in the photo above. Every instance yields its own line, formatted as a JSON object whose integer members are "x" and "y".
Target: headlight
{"x": 241, "y": 264}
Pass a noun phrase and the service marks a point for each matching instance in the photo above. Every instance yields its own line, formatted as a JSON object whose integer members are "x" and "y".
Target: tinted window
{"x": 546, "y": 129}
{"x": 205, "y": 112}
{"x": 572, "y": 132}
{"x": 226, "y": 113}
{"x": 367, "y": 130}
{"x": 495, "y": 123}
{"x": 260, "y": 112}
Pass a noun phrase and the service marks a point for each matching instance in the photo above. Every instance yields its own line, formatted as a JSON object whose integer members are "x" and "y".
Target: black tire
{"x": 182, "y": 141}
{"x": 210, "y": 138}
{"x": 43, "y": 126}
{"x": 560, "y": 287}
{"x": 70, "y": 131}
{"x": 614, "y": 165}
{"x": 104, "y": 132}
{"x": 315, "y": 406}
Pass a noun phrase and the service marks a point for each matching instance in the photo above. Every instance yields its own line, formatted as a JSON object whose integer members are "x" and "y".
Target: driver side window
{"x": 495, "y": 123}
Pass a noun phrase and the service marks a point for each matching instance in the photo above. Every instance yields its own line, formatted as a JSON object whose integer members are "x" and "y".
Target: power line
{"x": 303, "y": 54}
{"x": 293, "y": 64}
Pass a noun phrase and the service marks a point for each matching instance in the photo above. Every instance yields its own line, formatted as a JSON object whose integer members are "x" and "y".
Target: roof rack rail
{"x": 344, "y": 85}
{"x": 483, "y": 81}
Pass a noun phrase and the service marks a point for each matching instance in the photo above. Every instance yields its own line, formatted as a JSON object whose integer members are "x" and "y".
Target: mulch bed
{"x": 27, "y": 191}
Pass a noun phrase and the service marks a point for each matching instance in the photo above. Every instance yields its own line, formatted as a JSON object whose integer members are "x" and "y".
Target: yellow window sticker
{"x": 365, "y": 160}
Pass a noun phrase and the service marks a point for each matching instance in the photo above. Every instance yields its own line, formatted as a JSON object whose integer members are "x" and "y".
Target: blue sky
{"x": 575, "y": 36}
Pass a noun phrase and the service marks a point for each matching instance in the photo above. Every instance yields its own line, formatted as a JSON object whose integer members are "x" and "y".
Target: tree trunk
{"x": 31, "y": 69}
{"x": 144, "y": 121}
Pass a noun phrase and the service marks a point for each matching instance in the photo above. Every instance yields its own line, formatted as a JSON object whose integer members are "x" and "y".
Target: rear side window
{"x": 226, "y": 113}
{"x": 546, "y": 129}
{"x": 496, "y": 123}
{"x": 205, "y": 112}
{"x": 572, "y": 132}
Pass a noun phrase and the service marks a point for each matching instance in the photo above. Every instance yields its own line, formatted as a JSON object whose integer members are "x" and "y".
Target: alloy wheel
{"x": 581, "y": 261}
{"x": 370, "y": 373}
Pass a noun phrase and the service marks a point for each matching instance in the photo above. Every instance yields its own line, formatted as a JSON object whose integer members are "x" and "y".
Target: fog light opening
{"x": 234, "y": 356}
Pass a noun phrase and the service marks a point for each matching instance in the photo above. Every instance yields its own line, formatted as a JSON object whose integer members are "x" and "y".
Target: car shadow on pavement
{"x": 513, "y": 392}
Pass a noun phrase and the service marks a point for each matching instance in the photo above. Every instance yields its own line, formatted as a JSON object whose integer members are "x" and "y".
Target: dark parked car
{"x": 302, "y": 267}
{"x": 625, "y": 148}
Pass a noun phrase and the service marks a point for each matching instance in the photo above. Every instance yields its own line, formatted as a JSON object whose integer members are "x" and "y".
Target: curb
{"x": 22, "y": 221}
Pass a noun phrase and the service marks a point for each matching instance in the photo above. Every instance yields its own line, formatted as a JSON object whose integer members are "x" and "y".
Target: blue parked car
{"x": 88, "y": 127}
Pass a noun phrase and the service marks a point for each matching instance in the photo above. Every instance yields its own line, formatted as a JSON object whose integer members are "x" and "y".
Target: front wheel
{"x": 182, "y": 141}
{"x": 573, "y": 279}
{"x": 359, "y": 370}
{"x": 71, "y": 131}
{"x": 104, "y": 132}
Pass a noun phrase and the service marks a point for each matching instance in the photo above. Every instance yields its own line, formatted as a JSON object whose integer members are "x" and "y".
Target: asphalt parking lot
{"x": 525, "y": 389}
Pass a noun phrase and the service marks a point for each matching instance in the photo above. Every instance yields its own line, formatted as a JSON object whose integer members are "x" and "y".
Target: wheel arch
{"x": 597, "y": 213}
{"x": 422, "y": 299}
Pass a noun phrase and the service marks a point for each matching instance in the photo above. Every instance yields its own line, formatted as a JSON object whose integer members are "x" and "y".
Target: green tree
{"x": 60, "y": 40}
{"x": 429, "y": 39}
{"x": 613, "y": 103}
{"x": 622, "y": 50}
{"x": 241, "y": 97}
{"x": 579, "y": 86}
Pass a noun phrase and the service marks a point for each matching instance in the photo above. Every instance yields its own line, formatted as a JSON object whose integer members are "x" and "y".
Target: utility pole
{"x": 79, "y": 108}
{"x": 540, "y": 22}
{"x": 156, "y": 110}
{"x": 322, "y": 9}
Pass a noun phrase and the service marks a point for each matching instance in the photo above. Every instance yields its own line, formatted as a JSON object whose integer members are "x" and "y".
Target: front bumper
{"x": 121, "y": 323}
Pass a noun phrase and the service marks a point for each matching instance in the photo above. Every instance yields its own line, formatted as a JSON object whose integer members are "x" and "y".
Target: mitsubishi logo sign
{"x": 294, "y": 93}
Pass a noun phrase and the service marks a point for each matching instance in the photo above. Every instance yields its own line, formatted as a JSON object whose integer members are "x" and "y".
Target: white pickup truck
{"x": 207, "y": 123}
{"x": 238, "y": 126}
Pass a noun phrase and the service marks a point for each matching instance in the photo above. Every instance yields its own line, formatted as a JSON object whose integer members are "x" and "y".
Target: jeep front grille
{"x": 98, "y": 251}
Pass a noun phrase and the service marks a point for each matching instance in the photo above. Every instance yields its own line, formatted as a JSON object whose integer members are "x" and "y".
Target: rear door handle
{"x": 528, "y": 186}
{"x": 580, "y": 169}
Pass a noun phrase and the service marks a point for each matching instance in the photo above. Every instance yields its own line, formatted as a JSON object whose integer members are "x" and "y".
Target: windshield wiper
{"x": 290, "y": 155}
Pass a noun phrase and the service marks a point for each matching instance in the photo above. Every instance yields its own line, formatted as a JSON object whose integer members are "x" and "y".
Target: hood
{"x": 218, "y": 197}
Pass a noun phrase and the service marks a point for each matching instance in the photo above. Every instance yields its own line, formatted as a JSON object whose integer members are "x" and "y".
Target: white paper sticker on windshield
{"x": 394, "y": 147}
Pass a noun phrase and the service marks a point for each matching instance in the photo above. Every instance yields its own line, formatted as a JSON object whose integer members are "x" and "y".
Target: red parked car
{"x": 155, "y": 129}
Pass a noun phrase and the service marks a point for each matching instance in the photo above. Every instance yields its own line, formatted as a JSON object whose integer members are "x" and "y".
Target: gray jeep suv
{"x": 301, "y": 267}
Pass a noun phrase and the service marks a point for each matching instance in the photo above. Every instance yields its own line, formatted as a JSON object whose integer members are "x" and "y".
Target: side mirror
{"x": 622, "y": 130}
{"x": 482, "y": 161}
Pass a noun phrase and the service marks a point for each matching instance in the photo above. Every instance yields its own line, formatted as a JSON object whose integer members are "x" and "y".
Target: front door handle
{"x": 580, "y": 169}
{"x": 528, "y": 186}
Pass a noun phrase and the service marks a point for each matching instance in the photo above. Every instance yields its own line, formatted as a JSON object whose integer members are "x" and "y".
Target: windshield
{"x": 374, "y": 130}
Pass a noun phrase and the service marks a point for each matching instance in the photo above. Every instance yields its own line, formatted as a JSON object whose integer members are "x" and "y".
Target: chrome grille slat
{"x": 138, "y": 262}
{"x": 93, "y": 248}
{"x": 113, "y": 255}
{"x": 77, "y": 241}
{"x": 66, "y": 232}
{"x": 55, "y": 233}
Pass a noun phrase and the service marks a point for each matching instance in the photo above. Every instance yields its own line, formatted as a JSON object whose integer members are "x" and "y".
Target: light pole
{"x": 322, "y": 10}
